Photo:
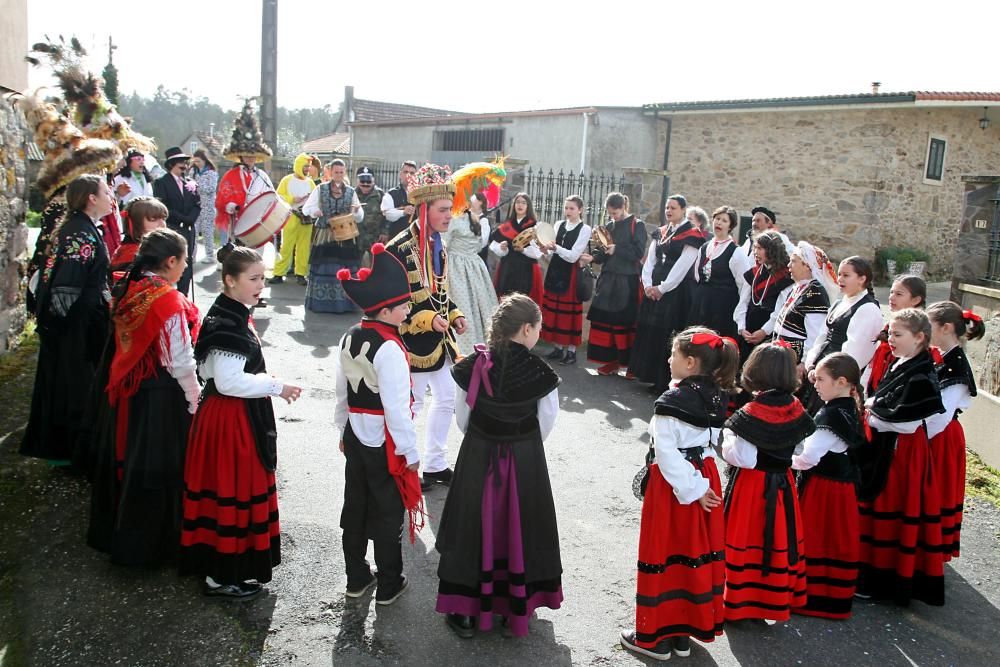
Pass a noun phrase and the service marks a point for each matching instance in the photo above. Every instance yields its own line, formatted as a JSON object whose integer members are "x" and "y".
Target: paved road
{"x": 61, "y": 603}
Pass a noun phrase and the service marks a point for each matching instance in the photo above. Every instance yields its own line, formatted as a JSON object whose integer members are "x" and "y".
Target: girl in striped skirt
{"x": 562, "y": 310}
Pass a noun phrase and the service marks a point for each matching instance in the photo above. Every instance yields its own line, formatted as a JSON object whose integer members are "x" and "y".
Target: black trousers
{"x": 373, "y": 510}
{"x": 184, "y": 284}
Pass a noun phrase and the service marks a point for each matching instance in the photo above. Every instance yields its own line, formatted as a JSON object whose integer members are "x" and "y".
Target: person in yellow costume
{"x": 297, "y": 234}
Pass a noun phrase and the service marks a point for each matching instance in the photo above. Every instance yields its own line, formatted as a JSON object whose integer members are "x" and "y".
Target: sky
{"x": 519, "y": 54}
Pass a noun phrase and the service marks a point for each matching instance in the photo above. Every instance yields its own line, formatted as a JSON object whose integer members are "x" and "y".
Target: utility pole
{"x": 269, "y": 73}
{"x": 111, "y": 50}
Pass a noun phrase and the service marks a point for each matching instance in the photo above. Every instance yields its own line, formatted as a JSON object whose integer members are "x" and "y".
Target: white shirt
{"x": 816, "y": 446}
{"x": 226, "y": 368}
{"x": 738, "y": 262}
{"x": 955, "y": 397}
{"x": 260, "y": 183}
{"x": 389, "y": 210}
{"x": 392, "y": 371}
{"x": 670, "y": 435}
{"x": 815, "y": 322}
{"x": 312, "y": 206}
{"x": 548, "y": 410}
{"x": 677, "y": 273}
{"x": 137, "y": 190}
{"x": 746, "y": 292}
{"x": 571, "y": 255}
{"x": 863, "y": 329}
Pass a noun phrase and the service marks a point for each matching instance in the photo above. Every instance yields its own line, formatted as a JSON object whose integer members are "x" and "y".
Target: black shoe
{"x": 464, "y": 626}
{"x": 569, "y": 359}
{"x": 425, "y": 484}
{"x": 242, "y": 591}
{"x": 388, "y": 597}
{"x": 682, "y": 646}
{"x": 441, "y": 477}
{"x": 301, "y": 280}
{"x": 659, "y": 652}
{"x": 358, "y": 591}
{"x": 556, "y": 353}
{"x": 261, "y": 303}
{"x": 276, "y": 280}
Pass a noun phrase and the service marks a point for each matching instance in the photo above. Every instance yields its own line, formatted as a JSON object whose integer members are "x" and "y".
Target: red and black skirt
{"x": 681, "y": 564}
{"x": 948, "y": 456}
{"x": 763, "y": 582}
{"x": 562, "y": 315}
{"x": 230, "y": 528}
{"x": 832, "y": 548}
{"x": 902, "y": 556}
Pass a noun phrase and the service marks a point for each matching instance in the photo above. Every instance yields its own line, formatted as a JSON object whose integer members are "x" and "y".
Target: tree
{"x": 110, "y": 75}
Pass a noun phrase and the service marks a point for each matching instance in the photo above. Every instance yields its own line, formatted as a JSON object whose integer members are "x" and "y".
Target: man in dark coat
{"x": 183, "y": 203}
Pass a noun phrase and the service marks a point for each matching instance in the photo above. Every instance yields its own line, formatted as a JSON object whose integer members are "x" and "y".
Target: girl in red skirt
{"x": 949, "y": 325}
{"x": 230, "y": 533}
{"x": 827, "y": 492}
{"x": 562, "y": 310}
{"x": 906, "y": 292}
{"x": 682, "y": 536}
{"x": 901, "y": 550}
{"x": 765, "y": 570}
{"x": 518, "y": 270}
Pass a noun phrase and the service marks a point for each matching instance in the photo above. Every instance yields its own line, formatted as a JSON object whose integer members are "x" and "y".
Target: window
{"x": 484, "y": 140}
{"x": 934, "y": 165}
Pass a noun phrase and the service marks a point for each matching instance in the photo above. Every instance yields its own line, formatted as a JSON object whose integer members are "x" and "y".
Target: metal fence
{"x": 548, "y": 189}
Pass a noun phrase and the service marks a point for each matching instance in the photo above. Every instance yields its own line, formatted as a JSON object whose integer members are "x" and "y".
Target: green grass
{"x": 981, "y": 480}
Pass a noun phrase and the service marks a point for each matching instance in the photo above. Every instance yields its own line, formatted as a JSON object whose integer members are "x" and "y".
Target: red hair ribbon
{"x": 713, "y": 340}
{"x": 971, "y": 316}
{"x": 782, "y": 343}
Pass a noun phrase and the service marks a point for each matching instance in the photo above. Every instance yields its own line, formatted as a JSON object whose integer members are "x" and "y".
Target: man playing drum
{"x": 335, "y": 246}
{"x": 245, "y": 181}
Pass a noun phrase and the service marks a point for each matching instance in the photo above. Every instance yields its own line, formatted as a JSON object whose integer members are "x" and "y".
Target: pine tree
{"x": 110, "y": 75}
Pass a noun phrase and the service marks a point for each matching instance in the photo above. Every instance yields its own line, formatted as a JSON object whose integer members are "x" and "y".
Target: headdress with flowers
{"x": 821, "y": 267}
{"x": 430, "y": 183}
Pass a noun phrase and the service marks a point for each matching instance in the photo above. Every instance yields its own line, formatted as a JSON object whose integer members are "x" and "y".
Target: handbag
{"x": 585, "y": 280}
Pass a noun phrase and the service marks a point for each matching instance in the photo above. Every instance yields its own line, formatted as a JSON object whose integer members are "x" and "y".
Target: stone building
{"x": 852, "y": 173}
{"x": 13, "y": 177}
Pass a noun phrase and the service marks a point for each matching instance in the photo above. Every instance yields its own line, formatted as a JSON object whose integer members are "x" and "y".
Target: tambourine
{"x": 602, "y": 237}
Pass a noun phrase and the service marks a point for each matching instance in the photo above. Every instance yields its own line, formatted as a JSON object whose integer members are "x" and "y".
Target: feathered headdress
{"x": 430, "y": 183}
{"x": 475, "y": 178}
{"x": 68, "y": 152}
{"x": 83, "y": 91}
{"x": 247, "y": 139}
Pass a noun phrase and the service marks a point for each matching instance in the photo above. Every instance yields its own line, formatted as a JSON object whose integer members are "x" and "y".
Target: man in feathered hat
{"x": 378, "y": 438}
{"x": 244, "y": 181}
{"x": 429, "y": 331}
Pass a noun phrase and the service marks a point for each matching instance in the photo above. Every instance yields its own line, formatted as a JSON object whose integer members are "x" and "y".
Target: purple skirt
{"x": 502, "y": 587}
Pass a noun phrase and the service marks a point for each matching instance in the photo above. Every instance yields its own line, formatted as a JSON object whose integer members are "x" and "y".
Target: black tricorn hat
{"x": 385, "y": 285}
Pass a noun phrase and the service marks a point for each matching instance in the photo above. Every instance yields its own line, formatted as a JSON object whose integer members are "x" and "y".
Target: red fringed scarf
{"x": 760, "y": 287}
{"x": 139, "y": 316}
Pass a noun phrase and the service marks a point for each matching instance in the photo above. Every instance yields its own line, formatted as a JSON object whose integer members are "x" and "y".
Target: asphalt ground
{"x": 62, "y": 603}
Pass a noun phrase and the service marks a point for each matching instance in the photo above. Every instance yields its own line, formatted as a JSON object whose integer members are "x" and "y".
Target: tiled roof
{"x": 213, "y": 143}
{"x": 370, "y": 110}
{"x": 338, "y": 142}
{"x": 825, "y": 100}
{"x": 464, "y": 117}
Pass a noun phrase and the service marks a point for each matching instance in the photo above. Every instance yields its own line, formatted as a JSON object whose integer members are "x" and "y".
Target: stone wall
{"x": 13, "y": 233}
{"x": 848, "y": 180}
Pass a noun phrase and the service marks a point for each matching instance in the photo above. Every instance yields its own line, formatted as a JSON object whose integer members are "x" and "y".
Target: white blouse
{"x": 226, "y": 368}
{"x": 956, "y": 397}
{"x": 571, "y": 255}
{"x": 531, "y": 250}
{"x": 739, "y": 452}
{"x": 392, "y": 370}
{"x": 313, "y": 210}
{"x": 862, "y": 331}
{"x": 670, "y": 435}
{"x": 739, "y": 263}
{"x": 677, "y": 273}
{"x": 548, "y": 410}
{"x": 816, "y": 446}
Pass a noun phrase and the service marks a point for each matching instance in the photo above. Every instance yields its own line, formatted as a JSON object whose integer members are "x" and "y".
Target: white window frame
{"x": 931, "y": 138}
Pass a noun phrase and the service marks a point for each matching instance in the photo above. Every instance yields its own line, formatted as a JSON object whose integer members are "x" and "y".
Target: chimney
{"x": 875, "y": 86}
{"x": 348, "y": 103}
{"x": 211, "y": 130}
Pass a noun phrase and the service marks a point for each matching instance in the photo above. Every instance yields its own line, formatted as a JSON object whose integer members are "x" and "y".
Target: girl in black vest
{"x": 230, "y": 533}
{"x": 854, "y": 322}
{"x": 902, "y": 555}
{"x": 499, "y": 510}
{"x": 763, "y": 290}
{"x": 949, "y": 326}
{"x": 667, "y": 281}
{"x": 518, "y": 270}
{"x": 717, "y": 276}
{"x": 562, "y": 310}
{"x": 765, "y": 570}
{"x": 827, "y": 492}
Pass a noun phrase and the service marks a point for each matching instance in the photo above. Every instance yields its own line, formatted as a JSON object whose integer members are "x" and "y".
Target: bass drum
{"x": 261, "y": 219}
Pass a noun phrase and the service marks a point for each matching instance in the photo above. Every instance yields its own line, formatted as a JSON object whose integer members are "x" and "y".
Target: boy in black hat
{"x": 378, "y": 439}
